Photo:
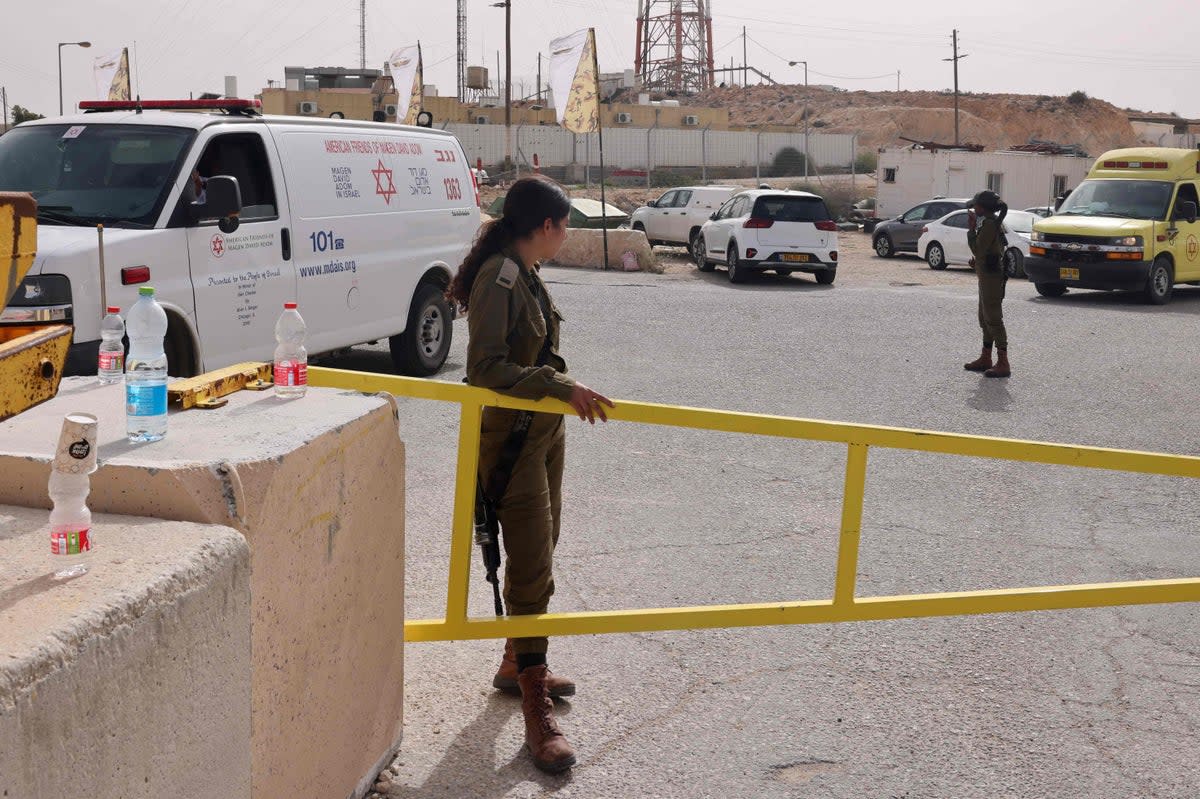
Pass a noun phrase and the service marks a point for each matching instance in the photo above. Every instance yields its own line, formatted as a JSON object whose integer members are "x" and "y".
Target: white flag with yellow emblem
{"x": 407, "y": 78}
{"x": 112, "y": 75}
{"x": 575, "y": 81}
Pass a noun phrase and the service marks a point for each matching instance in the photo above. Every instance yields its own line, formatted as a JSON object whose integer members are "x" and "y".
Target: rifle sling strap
{"x": 497, "y": 483}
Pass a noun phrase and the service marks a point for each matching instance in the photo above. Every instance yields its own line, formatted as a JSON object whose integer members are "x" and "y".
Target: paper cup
{"x": 76, "y": 453}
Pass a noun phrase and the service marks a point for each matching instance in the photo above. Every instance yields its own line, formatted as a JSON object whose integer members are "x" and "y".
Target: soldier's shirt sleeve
{"x": 489, "y": 365}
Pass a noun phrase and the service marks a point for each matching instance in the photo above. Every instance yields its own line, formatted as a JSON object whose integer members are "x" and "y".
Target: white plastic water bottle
{"x": 291, "y": 358}
{"x": 111, "y": 367}
{"x": 70, "y": 523}
{"x": 146, "y": 371}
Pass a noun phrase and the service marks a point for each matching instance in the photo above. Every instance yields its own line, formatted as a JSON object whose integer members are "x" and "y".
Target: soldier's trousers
{"x": 991, "y": 311}
{"x": 529, "y": 512}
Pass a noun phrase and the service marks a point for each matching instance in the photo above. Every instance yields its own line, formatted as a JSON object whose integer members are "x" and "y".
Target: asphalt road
{"x": 1092, "y": 703}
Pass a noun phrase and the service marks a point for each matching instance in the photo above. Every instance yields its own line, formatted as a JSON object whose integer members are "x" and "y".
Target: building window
{"x": 1060, "y": 185}
{"x": 995, "y": 182}
{"x": 889, "y": 174}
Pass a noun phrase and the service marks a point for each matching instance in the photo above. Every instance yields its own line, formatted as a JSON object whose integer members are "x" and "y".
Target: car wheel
{"x": 883, "y": 246}
{"x": 826, "y": 276}
{"x": 869, "y": 226}
{"x": 422, "y": 348}
{"x": 700, "y": 254}
{"x": 1159, "y": 284}
{"x": 935, "y": 256}
{"x": 1014, "y": 263}
{"x": 1050, "y": 289}
{"x": 737, "y": 272}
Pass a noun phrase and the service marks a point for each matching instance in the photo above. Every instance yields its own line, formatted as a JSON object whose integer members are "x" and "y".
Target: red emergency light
{"x": 1135, "y": 164}
{"x": 220, "y": 104}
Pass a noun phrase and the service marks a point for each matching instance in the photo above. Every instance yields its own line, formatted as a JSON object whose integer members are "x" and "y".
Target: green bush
{"x": 1077, "y": 97}
{"x": 866, "y": 162}
{"x": 789, "y": 162}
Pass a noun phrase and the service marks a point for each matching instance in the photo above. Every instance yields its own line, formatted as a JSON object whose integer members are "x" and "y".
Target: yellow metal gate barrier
{"x": 844, "y": 606}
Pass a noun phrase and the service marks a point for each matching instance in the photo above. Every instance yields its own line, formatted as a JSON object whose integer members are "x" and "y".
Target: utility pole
{"x": 508, "y": 85}
{"x": 897, "y": 80}
{"x": 955, "y": 59}
{"x": 362, "y": 34}
{"x": 4, "y": 102}
{"x": 539, "y": 80}
{"x": 745, "y": 74}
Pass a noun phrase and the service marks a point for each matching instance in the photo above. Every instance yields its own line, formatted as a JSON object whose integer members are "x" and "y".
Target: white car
{"x": 676, "y": 217}
{"x": 785, "y": 231}
{"x": 944, "y": 241}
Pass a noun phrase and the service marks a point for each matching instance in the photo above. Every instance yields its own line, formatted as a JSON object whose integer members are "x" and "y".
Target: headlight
{"x": 1036, "y": 236}
{"x": 1128, "y": 241}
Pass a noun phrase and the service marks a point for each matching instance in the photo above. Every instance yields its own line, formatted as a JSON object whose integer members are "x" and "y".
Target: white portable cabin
{"x": 908, "y": 176}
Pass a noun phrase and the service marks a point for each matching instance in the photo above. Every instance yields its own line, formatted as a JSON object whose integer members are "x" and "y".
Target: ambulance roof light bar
{"x": 229, "y": 104}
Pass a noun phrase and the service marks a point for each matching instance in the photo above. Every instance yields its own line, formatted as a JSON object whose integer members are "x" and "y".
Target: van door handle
{"x": 285, "y": 241}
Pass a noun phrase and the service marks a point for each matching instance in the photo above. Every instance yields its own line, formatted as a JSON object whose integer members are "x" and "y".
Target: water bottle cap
{"x": 146, "y": 291}
{"x": 113, "y": 309}
{"x": 289, "y": 306}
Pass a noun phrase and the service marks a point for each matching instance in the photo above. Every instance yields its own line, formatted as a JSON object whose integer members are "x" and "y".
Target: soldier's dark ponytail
{"x": 529, "y": 203}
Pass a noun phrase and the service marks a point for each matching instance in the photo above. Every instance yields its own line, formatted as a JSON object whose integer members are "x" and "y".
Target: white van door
{"x": 242, "y": 279}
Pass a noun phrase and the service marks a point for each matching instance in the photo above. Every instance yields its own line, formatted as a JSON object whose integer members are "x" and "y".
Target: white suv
{"x": 676, "y": 217}
{"x": 785, "y": 231}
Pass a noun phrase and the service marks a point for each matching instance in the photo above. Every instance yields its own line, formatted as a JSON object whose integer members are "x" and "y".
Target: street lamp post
{"x": 61, "y": 45}
{"x": 507, "y": 6}
{"x": 805, "y": 63}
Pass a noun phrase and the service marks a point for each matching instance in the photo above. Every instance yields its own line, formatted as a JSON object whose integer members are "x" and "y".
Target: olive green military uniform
{"x": 992, "y": 281}
{"x": 507, "y": 331}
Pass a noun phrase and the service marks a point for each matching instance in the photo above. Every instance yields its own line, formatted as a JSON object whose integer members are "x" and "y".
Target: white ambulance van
{"x": 229, "y": 214}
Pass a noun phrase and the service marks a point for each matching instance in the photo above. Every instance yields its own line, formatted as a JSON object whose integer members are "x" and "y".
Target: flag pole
{"x": 600, "y": 131}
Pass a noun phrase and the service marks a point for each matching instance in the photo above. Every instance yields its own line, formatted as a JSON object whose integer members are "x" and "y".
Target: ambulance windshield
{"x": 1127, "y": 199}
{"x": 118, "y": 175}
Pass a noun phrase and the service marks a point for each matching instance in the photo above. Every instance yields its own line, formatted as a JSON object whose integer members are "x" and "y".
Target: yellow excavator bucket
{"x": 31, "y": 357}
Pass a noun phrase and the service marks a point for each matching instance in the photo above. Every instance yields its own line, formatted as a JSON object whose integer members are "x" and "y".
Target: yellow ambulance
{"x": 1130, "y": 226}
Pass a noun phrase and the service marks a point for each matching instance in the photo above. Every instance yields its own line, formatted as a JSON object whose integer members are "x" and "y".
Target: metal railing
{"x": 845, "y": 605}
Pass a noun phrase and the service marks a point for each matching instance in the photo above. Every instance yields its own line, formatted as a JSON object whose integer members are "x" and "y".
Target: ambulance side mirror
{"x": 1186, "y": 210}
{"x": 223, "y": 200}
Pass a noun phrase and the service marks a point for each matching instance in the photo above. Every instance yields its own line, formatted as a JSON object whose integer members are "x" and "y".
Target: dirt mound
{"x": 995, "y": 121}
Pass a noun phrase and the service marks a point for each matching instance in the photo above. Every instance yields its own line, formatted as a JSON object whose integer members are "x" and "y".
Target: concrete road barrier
{"x": 585, "y": 248}
{"x": 132, "y": 680}
{"x": 317, "y": 487}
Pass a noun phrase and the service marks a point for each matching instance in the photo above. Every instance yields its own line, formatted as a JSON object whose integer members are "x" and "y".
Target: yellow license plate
{"x": 795, "y": 257}
{"x": 1066, "y": 273}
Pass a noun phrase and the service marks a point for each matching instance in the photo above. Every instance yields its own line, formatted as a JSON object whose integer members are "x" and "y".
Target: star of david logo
{"x": 217, "y": 245}
{"x": 385, "y": 191}
{"x": 1193, "y": 248}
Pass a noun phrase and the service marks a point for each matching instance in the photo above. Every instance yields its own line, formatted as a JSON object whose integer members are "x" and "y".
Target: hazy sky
{"x": 1144, "y": 56}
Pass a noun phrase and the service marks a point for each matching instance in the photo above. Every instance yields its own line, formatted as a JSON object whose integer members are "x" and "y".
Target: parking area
{"x": 1095, "y": 703}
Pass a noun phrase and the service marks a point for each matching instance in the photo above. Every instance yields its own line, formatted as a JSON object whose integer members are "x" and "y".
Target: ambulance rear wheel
{"x": 422, "y": 348}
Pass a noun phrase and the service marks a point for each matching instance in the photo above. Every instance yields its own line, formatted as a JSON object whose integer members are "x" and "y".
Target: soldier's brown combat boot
{"x": 549, "y": 747}
{"x": 506, "y": 677}
{"x": 982, "y": 363}
{"x": 1001, "y": 369}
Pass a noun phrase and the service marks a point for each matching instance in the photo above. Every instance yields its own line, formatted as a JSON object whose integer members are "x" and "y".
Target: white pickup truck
{"x": 675, "y": 218}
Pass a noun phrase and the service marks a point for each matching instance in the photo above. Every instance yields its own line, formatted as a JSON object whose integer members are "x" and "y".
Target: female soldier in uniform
{"x": 988, "y": 252}
{"x": 513, "y": 326}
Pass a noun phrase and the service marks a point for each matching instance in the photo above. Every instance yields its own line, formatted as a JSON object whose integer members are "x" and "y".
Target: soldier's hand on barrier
{"x": 589, "y": 404}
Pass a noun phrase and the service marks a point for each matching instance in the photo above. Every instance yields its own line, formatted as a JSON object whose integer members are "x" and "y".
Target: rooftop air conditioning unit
{"x": 481, "y": 120}
{"x": 390, "y": 109}
{"x": 308, "y": 107}
{"x": 624, "y": 118}
{"x": 691, "y": 120}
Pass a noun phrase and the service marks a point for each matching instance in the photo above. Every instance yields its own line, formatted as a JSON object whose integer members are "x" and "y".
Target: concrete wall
{"x": 317, "y": 487}
{"x": 133, "y": 680}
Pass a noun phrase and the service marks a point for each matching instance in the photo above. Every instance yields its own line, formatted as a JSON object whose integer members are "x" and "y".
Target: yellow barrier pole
{"x": 852, "y": 506}
{"x": 461, "y": 537}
